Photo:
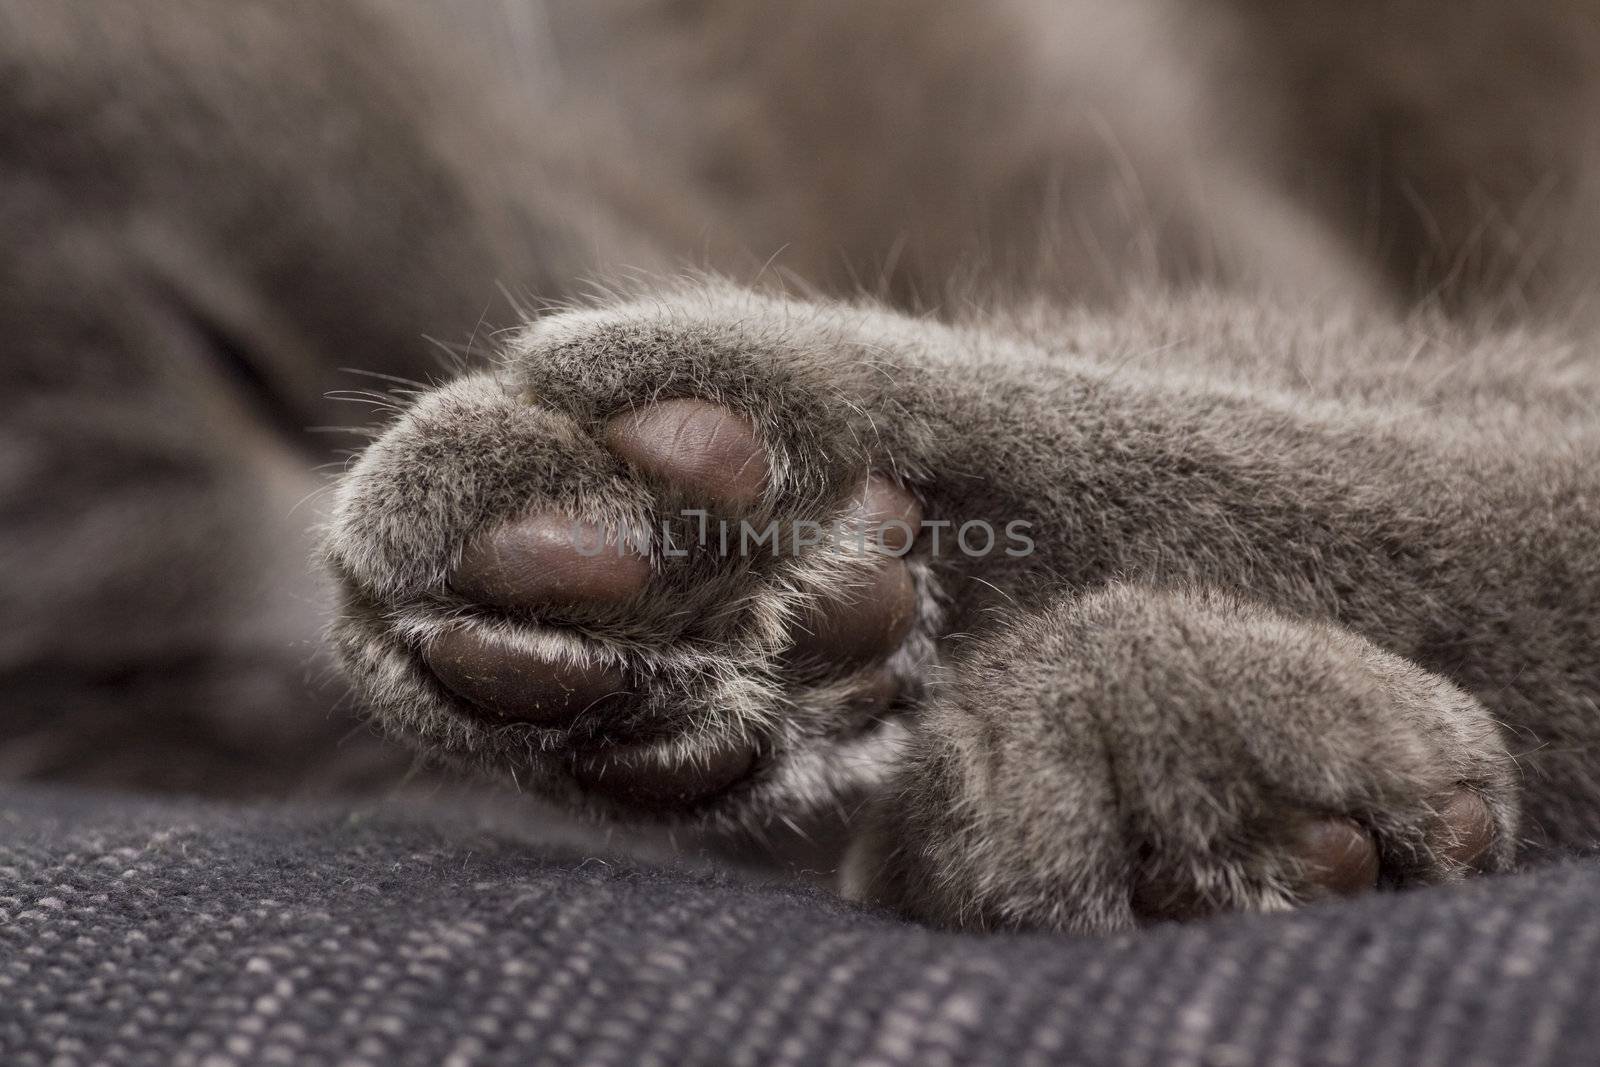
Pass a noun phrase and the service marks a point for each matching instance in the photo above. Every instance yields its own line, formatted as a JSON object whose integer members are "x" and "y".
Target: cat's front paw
{"x": 650, "y": 565}
{"x": 1138, "y": 755}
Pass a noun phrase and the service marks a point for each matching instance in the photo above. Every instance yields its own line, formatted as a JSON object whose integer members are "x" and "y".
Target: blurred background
{"x": 235, "y": 233}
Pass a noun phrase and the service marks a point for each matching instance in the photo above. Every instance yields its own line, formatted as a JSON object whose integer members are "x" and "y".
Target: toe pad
{"x": 706, "y": 451}
{"x": 512, "y": 683}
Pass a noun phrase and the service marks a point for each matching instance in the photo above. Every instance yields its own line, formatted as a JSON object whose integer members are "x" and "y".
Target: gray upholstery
{"x": 136, "y": 932}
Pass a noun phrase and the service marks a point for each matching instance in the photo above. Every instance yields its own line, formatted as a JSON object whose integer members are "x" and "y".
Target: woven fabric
{"x": 134, "y": 932}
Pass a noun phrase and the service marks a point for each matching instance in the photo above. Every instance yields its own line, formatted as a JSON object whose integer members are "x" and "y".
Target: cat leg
{"x": 1137, "y": 754}
{"x": 479, "y": 632}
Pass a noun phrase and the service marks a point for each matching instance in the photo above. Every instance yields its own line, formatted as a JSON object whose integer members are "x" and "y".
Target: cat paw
{"x": 1139, "y": 755}
{"x": 646, "y": 566}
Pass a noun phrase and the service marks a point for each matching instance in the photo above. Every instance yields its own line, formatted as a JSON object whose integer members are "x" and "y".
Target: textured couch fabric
{"x": 136, "y": 932}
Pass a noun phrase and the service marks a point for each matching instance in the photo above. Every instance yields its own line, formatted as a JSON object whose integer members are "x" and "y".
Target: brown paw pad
{"x": 708, "y": 452}
{"x": 1337, "y": 857}
{"x": 1332, "y": 856}
{"x": 867, "y": 621}
{"x": 888, "y": 514}
{"x": 871, "y": 618}
{"x": 649, "y": 778}
{"x": 508, "y": 682}
{"x": 549, "y": 559}
{"x": 1462, "y": 829}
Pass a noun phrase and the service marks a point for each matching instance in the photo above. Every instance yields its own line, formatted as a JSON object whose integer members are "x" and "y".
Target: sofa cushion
{"x": 145, "y": 932}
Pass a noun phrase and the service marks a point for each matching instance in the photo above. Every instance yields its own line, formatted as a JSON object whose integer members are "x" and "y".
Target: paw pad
{"x": 707, "y": 452}
{"x": 645, "y": 776}
{"x": 546, "y": 567}
{"x": 546, "y": 559}
{"x": 1334, "y": 856}
{"x": 511, "y": 683}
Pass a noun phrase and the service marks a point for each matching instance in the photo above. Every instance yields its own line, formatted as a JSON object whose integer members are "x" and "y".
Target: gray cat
{"x": 1066, "y": 495}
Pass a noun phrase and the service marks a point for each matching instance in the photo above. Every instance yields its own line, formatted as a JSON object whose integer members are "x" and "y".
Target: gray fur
{"x": 1303, "y": 544}
{"x": 1317, "y": 524}
{"x": 1139, "y": 736}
